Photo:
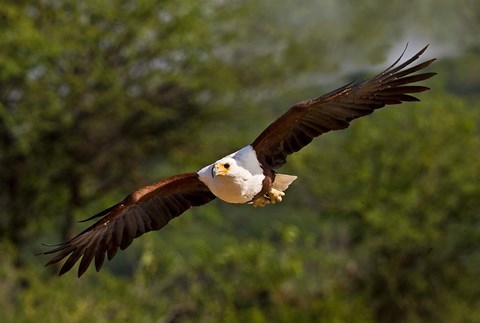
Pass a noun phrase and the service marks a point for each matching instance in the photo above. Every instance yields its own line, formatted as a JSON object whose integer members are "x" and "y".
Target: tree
{"x": 404, "y": 183}
{"x": 80, "y": 107}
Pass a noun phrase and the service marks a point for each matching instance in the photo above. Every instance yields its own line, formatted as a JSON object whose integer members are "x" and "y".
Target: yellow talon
{"x": 260, "y": 202}
{"x": 275, "y": 196}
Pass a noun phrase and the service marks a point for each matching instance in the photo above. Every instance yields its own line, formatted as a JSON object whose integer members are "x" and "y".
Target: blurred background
{"x": 98, "y": 98}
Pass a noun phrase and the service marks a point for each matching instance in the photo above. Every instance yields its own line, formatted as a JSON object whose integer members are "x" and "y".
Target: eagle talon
{"x": 261, "y": 202}
{"x": 275, "y": 196}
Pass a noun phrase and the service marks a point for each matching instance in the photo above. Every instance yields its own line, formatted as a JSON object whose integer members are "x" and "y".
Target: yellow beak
{"x": 219, "y": 169}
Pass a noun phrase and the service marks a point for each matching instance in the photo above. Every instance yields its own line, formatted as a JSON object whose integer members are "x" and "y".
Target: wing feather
{"x": 335, "y": 110}
{"x": 149, "y": 208}
{"x": 99, "y": 254}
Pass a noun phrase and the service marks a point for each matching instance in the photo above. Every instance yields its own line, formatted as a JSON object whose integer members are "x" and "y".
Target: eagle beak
{"x": 219, "y": 169}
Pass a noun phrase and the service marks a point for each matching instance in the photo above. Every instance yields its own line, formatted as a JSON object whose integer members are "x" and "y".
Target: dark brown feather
{"x": 149, "y": 208}
{"x": 335, "y": 110}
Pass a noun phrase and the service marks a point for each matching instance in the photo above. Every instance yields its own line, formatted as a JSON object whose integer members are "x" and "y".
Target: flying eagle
{"x": 247, "y": 176}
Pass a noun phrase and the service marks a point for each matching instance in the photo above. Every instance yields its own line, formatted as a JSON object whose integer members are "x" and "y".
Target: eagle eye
{"x": 226, "y": 165}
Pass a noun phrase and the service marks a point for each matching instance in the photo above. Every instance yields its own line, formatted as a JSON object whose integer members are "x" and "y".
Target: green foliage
{"x": 118, "y": 84}
{"x": 99, "y": 98}
{"x": 407, "y": 180}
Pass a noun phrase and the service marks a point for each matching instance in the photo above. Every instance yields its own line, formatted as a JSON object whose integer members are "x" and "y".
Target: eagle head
{"x": 224, "y": 167}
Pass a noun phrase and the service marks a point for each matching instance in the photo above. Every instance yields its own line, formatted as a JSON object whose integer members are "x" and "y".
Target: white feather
{"x": 243, "y": 180}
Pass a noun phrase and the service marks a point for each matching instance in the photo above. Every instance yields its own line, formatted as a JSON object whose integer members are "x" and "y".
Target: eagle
{"x": 247, "y": 176}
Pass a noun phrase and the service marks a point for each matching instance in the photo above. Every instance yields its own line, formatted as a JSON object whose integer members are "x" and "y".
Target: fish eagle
{"x": 247, "y": 176}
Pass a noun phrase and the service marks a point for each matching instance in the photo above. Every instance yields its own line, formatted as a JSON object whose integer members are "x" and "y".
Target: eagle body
{"x": 240, "y": 178}
{"x": 247, "y": 176}
{"x": 236, "y": 178}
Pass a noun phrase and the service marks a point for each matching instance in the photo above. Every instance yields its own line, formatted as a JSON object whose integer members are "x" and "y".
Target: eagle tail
{"x": 283, "y": 181}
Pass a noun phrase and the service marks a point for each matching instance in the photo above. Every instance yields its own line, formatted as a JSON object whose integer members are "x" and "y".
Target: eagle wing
{"x": 147, "y": 209}
{"x": 310, "y": 118}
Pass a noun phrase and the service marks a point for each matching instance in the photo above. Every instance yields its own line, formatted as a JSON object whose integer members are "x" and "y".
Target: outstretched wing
{"x": 149, "y": 208}
{"x": 310, "y": 118}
